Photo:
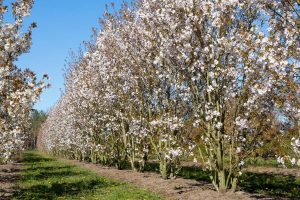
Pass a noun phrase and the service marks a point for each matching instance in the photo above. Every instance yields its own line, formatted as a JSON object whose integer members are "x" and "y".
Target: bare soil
{"x": 9, "y": 175}
{"x": 176, "y": 189}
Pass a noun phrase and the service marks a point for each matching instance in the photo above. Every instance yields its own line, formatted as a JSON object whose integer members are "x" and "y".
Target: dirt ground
{"x": 178, "y": 189}
{"x": 9, "y": 174}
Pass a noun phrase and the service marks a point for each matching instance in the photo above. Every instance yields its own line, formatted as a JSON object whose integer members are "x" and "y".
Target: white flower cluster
{"x": 18, "y": 89}
{"x": 296, "y": 145}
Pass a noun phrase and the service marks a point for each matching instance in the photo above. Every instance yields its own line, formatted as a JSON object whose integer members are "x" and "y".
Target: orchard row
{"x": 174, "y": 80}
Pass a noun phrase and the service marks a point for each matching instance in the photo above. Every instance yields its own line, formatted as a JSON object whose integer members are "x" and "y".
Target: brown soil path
{"x": 177, "y": 189}
{"x": 9, "y": 174}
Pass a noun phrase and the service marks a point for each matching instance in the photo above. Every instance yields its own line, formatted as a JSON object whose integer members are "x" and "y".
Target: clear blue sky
{"x": 62, "y": 26}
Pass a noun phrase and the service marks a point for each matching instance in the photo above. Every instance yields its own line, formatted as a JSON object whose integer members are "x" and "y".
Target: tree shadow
{"x": 52, "y": 174}
{"x": 271, "y": 185}
{"x": 48, "y": 168}
{"x": 57, "y": 189}
{"x": 42, "y": 179}
{"x": 34, "y": 158}
{"x": 266, "y": 185}
{"x": 187, "y": 172}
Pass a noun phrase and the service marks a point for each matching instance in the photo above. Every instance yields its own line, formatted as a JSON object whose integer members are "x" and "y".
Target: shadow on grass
{"x": 46, "y": 168}
{"x": 273, "y": 186}
{"x": 34, "y": 158}
{"x": 44, "y": 178}
{"x": 56, "y": 189}
{"x": 52, "y": 174}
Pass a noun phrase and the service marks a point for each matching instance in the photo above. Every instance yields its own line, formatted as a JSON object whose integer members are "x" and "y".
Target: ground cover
{"x": 42, "y": 177}
{"x": 46, "y": 178}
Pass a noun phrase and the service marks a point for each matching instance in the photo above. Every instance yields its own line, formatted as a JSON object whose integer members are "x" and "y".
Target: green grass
{"x": 274, "y": 185}
{"x": 261, "y": 162}
{"x": 271, "y": 185}
{"x": 46, "y": 178}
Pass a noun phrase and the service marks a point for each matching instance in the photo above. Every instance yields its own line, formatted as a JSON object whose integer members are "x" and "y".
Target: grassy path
{"x": 47, "y": 178}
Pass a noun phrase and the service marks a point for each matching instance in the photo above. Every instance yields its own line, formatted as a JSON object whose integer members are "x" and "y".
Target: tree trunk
{"x": 234, "y": 184}
{"x": 163, "y": 168}
{"x": 222, "y": 181}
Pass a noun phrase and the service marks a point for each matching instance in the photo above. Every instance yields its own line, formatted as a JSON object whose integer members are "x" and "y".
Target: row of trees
{"x": 18, "y": 89}
{"x": 181, "y": 79}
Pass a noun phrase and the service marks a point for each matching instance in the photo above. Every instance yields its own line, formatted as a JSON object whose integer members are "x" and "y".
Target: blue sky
{"x": 62, "y": 26}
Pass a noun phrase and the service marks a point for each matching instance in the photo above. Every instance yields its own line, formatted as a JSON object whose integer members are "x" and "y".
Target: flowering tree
{"x": 229, "y": 68}
{"x": 18, "y": 89}
{"x": 285, "y": 27}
